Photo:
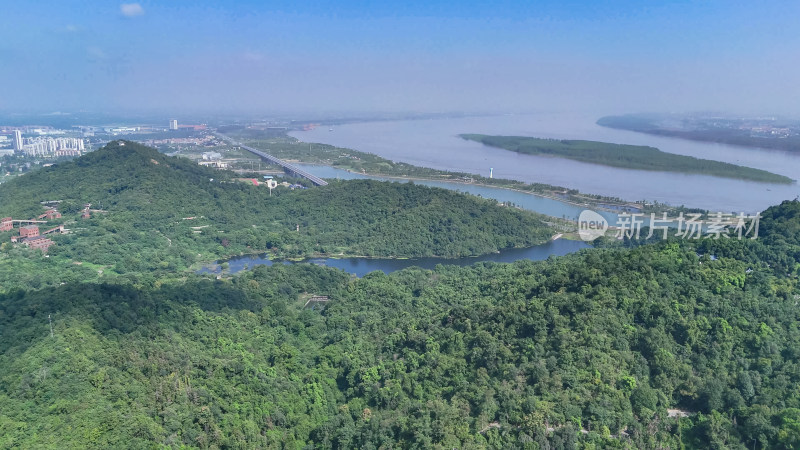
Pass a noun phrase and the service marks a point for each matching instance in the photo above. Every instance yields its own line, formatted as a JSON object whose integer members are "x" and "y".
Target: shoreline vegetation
{"x": 222, "y": 262}
{"x": 147, "y": 226}
{"x": 650, "y": 124}
{"x": 625, "y": 156}
{"x": 108, "y": 342}
{"x": 625, "y": 347}
{"x": 291, "y": 149}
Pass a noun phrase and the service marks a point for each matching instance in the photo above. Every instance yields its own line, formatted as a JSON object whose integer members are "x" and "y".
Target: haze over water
{"x": 333, "y": 59}
{"x": 435, "y": 143}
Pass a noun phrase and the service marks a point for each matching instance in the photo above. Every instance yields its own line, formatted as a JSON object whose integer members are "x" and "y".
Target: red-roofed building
{"x": 6, "y": 224}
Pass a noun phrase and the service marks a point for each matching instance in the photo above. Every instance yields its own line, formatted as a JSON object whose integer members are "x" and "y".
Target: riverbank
{"x": 370, "y": 165}
{"x": 623, "y": 207}
{"x": 736, "y": 132}
{"x": 435, "y": 144}
{"x": 276, "y": 257}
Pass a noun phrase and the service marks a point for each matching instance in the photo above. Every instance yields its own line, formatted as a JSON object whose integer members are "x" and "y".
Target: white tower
{"x": 173, "y": 124}
{"x": 17, "y": 140}
{"x": 491, "y": 172}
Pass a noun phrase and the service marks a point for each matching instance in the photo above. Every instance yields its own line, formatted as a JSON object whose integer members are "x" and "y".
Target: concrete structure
{"x": 288, "y": 168}
{"x": 217, "y": 164}
{"x": 6, "y": 224}
{"x": 59, "y": 229}
{"x": 193, "y": 127}
{"x": 50, "y": 215}
{"x": 173, "y": 124}
{"x": 17, "y": 140}
{"x": 48, "y": 146}
{"x": 122, "y": 130}
{"x": 40, "y": 242}
{"x": 29, "y": 231}
{"x": 316, "y": 300}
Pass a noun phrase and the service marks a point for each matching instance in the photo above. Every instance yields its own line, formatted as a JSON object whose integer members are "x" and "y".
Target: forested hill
{"x": 607, "y": 348}
{"x": 163, "y": 213}
{"x": 122, "y": 175}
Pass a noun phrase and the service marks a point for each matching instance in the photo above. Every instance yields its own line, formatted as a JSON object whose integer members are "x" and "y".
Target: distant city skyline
{"x": 319, "y": 56}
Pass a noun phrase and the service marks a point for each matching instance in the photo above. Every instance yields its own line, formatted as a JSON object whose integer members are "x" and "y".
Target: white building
{"x": 17, "y": 140}
{"x": 121, "y": 130}
{"x": 53, "y": 146}
{"x": 173, "y": 124}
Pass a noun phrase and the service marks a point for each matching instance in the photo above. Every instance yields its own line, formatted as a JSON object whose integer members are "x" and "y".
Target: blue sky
{"x": 261, "y": 56}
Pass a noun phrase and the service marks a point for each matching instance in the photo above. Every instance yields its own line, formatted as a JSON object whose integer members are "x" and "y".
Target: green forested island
{"x": 108, "y": 342}
{"x": 626, "y": 157}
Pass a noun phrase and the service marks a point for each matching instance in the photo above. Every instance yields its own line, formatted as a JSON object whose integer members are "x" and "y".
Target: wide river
{"x": 435, "y": 143}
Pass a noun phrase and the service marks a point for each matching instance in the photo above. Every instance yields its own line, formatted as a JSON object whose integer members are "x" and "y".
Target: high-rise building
{"x": 17, "y": 140}
{"x": 47, "y": 146}
{"x": 173, "y": 124}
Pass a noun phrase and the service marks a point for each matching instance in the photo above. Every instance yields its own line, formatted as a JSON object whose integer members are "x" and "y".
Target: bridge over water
{"x": 288, "y": 168}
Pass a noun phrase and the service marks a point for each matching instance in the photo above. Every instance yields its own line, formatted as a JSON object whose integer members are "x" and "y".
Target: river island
{"x": 626, "y": 156}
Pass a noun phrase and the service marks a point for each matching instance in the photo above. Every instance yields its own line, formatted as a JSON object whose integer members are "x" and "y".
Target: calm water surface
{"x": 434, "y": 143}
{"x": 530, "y": 202}
{"x": 363, "y": 266}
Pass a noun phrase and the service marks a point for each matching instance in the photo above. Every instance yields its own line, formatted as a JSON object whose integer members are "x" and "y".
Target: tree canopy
{"x": 604, "y": 348}
{"x": 625, "y": 156}
{"x": 159, "y": 214}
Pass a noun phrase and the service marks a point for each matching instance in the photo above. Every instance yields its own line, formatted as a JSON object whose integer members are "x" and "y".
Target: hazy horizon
{"x": 357, "y": 57}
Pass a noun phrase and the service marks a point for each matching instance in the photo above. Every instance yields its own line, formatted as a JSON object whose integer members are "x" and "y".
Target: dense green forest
{"x": 625, "y": 156}
{"x": 590, "y": 350}
{"x": 649, "y": 124}
{"x": 109, "y": 342}
{"x": 160, "y": 214}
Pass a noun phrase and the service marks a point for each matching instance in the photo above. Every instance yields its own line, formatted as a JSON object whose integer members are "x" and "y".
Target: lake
{"x": 363, "y": 266}
{"x": 434, "y": 143}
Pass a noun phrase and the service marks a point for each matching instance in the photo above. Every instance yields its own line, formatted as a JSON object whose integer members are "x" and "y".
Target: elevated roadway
{"x": 288, "y": 168}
